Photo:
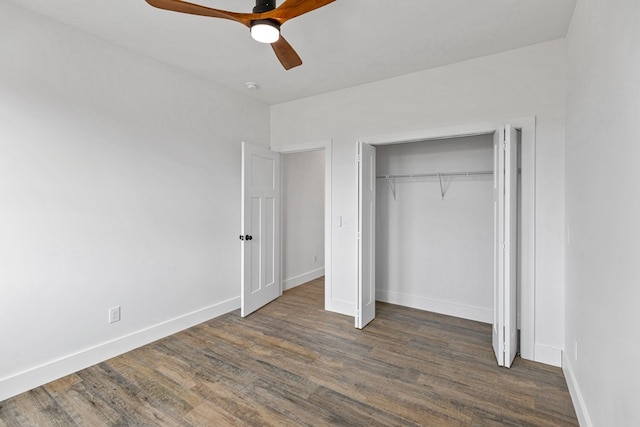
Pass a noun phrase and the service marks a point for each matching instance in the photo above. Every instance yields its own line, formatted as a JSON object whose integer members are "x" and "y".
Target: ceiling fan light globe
{"x": 265, "y": 32}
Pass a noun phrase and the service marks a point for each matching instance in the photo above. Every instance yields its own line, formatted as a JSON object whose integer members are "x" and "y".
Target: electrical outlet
{"x": 114, "y": 314}
{"x": 315, "y": 258}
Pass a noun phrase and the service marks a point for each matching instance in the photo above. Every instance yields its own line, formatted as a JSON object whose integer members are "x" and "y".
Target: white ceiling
{"x": 344, "y": 44}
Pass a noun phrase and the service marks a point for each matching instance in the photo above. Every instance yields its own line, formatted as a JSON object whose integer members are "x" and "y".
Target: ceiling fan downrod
{"x": 264, "y": 6}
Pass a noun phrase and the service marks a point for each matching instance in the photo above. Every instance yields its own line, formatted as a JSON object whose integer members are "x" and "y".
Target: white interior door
{"x": 505, "y": 333}
{"x": 366, "y": 301}
{"x": 260, "y": 257}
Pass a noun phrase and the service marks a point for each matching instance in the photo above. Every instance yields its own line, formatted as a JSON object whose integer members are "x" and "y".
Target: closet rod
{"x": 441, "y": 174}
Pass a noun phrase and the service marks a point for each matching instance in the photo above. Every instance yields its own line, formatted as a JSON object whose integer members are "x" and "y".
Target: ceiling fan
{"x": 264, "y": 22}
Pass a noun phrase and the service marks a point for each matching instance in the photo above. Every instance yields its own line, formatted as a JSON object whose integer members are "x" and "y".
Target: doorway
{"x": 261, "y": 255}
{"x": 302, "y": 217}
{"x": 323, "y": 148}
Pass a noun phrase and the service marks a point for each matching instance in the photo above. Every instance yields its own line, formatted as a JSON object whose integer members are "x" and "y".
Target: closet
{"x": 439, "y": 229}
{"x": 434, "y": 226}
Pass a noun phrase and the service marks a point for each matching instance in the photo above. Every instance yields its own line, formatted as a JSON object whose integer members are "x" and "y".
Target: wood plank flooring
{"x": 292, "y": 363}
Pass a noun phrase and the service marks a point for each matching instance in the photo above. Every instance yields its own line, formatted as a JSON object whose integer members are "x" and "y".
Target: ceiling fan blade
{"x": 195, "y": 9}
{"x": 285, "y": 53}
{"x": 292, "y": 8}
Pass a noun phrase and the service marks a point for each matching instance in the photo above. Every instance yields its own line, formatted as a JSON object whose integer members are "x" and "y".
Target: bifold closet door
{"x": 366, "y": 298}
{"x": 505, "y": 190}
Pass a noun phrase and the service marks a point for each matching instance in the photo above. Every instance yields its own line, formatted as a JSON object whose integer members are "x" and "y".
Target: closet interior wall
{"x": 434, "y": 236}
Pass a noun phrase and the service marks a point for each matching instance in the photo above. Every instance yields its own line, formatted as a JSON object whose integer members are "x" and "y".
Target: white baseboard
{"x": 576, "y": 395}
{"x": 548, "y": 355}
{"x": 302, "y": 278}
{"x": 443, "y": 307}
{"x": 43, "y": 374}
{"x": 342, "y": 307}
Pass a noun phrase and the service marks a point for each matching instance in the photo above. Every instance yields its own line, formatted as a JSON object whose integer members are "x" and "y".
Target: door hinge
{"x": 504, "y": 246}
{"x": 358, "y": 235}
{"x": 359, "y": 158}
{"x": 504, "y": 342}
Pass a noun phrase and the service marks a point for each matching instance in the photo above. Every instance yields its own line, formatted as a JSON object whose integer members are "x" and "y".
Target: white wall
{"x": 432, "y": 253}
{"x": 603, "y": 208}
{"x": 119, "y": 181}
{"x": 519, "y": 83}
{"x": 302, "y": 176}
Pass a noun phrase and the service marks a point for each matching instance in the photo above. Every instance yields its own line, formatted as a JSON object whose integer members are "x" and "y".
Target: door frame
{"x": 527, "y": 126}
{"x": 314, "y": 146}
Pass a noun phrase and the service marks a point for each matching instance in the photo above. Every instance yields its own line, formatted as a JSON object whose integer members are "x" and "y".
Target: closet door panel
{"x": 498, "y": 239}
{"x": 505, "y": 333}
{"x": 511, "y": 242}
{"x": 366, "y": 299}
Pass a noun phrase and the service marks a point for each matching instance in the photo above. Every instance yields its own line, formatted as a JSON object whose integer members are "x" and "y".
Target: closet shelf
{"x": 390, "y": 178}
{"x": 434, "y": 174}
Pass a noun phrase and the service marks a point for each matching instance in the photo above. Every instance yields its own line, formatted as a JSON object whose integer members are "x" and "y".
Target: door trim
{"x": 527, "y": 126}
{"x": 329, "y": 303}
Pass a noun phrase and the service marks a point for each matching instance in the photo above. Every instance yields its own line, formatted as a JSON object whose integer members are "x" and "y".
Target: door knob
{"x": 247, "y": 237}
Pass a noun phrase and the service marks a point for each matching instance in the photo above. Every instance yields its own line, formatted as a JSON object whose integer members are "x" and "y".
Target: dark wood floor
{"x": 292, "y": 363}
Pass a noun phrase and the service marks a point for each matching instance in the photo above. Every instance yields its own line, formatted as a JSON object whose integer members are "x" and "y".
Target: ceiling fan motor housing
{"x": 264, "y": 6}
{"x": 261, "y": 7}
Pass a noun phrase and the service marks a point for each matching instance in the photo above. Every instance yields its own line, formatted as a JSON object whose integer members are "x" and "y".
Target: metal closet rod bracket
{"x": 392, "y": 187}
